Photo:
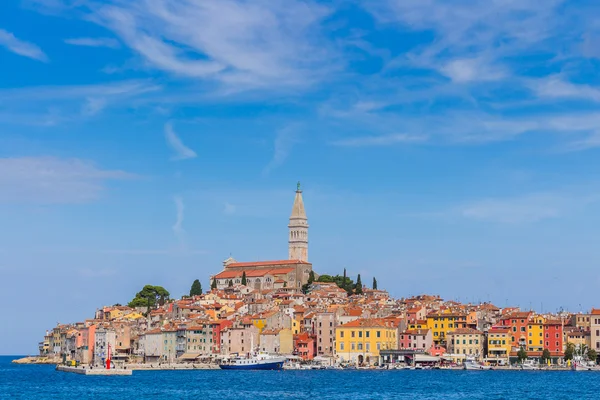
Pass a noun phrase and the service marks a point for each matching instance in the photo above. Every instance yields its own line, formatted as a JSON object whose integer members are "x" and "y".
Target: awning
{"x": 426, "y": 358}
{"x": 189, "y": 356}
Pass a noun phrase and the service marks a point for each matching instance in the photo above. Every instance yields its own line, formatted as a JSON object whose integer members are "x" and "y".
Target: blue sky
{"x": 443, "y": 148}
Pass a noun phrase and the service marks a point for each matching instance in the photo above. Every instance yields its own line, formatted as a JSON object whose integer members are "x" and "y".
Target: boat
{"x": 257, "y": 360}
{"x": 585, "y": 366}
{"x": 530, "y": 365}
{"x": 472, "y": 365}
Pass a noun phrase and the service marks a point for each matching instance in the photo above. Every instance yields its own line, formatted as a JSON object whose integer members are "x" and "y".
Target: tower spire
{"x": 298, "y": 229}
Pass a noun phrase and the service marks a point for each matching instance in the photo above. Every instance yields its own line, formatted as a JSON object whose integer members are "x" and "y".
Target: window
{"x": 360, "y": 334}
{"x": 341, "y": 346}
{"x": 378, "y": 334}
{"x": 353, "y": 346}
{"x": 367, "y": 334}
{"x": 352, "y": 334}
{"x": 341, "y": 334}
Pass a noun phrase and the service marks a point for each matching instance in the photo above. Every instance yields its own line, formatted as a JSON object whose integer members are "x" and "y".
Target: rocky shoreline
{"x": 36, "y": 360}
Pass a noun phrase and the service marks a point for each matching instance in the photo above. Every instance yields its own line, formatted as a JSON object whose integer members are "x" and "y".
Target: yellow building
{"x": 419, "y": 324}
{"x": 499, "y": 345}
{"x": 535, "y": 334}
{"x": 442, "y": 323}
{"x": 359, "y": 341}
{"x": 466, "y": 341}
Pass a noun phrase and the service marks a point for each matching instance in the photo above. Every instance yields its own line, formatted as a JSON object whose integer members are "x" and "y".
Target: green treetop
{"x": 196, "y": 288}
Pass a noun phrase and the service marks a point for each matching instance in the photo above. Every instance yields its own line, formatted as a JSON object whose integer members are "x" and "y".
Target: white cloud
{"x": 382, "y": 140}
{"x": 94, "y": 42}
{"x": 242, "y": 44}
{"x": 182, "y": 151}
{"x": 178, "y": 226}
{"x": 285, "y": 139}
{"x": 21, "y": 47}
{"x": 229, "y": 209}
{"x": 471, "y": 69}
{"x": 526, "y": 209}
{"x": 555, "y": 87}
{"x": 47, "y": 180}
{"x": 93, "y": 106}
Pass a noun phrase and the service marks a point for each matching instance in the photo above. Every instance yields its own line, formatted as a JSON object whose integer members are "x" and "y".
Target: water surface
{"x": 43, "y": 382}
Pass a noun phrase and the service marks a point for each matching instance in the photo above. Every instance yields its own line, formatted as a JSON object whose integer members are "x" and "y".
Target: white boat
{"x": 585, "y": 366}
{"x": 472, "y": 365}
{"x": 529, "y": 365}
{"x": 259, "y": 360}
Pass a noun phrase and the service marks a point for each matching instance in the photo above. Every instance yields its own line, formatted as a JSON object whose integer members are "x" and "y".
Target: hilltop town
{"x": 285, "y": 307}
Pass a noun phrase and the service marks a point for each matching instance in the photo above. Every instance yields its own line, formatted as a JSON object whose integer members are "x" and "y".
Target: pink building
{"x": 415, "y": 339}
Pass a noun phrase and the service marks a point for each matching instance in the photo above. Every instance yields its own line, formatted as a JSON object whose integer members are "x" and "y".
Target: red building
{"x": 517, "y": 322}
{"x": 553, "y": 337}
{"x": 305, "y": 346}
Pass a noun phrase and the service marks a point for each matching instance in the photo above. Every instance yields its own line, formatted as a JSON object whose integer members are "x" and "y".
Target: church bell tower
{"x": 298, "y": 229}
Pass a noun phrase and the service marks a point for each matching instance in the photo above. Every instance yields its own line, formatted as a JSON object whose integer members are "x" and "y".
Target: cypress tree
{"x": 196, "y": 288}
{"x": 244, "y": 278}
{"x": 374, "y": 283}
{"x": 358, "y": 288}
{"x": 214, "y": 284}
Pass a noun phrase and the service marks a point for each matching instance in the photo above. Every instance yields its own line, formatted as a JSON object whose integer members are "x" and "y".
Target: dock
{"x": 94, "y": 371}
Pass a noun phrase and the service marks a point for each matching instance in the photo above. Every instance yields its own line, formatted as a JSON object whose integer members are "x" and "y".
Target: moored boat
{"x": 258, "y": 360}
{"x": 471, "y": 365}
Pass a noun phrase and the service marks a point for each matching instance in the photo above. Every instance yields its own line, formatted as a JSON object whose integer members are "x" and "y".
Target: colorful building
{"x": 359, "y": 341}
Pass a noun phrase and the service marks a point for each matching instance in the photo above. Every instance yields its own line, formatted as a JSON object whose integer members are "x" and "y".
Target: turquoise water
{"x": 42, "y": 382}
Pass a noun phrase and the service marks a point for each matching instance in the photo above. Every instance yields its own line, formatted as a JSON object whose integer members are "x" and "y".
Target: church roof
{"x": 253, "y": 273}
{"x": 298, "y": 208}
{"x": 265, "y": 263}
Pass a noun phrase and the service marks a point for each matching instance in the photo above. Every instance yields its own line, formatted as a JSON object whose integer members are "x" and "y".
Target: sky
{"x": 444, "y": 148}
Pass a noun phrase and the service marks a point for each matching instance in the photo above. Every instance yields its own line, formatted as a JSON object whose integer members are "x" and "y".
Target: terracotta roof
{"x": 368, "y": 322}
{"x": 253, "y": 273}
{"x": 265, "y": 263}
{"x": 595, "y": 311}
{"x": 465, "y": 331}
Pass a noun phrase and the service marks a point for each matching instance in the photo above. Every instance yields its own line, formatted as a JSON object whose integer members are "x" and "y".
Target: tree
{"x": 150, "y": 296}
{"x": 230, "y": 283}
{"x": 213, "y": 285}
{"x": 196, "y": 288}
{"x": 374, "y": 283}
{"x": 285, "y": 284}
{"x": 358, "y": 287}
{"x": 522, "y": 355}
{"x": 244, "y": 281}
{"x": 592, "y": 355}
{"x": 311, "y": 277}
{"x": 545, "y": 356}
{"x": 325, "y": 278}
{"x": 569, "y": 351}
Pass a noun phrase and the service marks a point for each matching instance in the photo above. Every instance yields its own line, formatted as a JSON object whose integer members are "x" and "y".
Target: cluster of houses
{"x": 325, "y": 323}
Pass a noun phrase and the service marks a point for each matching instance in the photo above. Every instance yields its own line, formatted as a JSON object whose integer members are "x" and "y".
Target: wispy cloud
{"x": 51, "y": 105}
{"x": 383, "y": 140}
{"x": 526, "y": 209}
{"x": 529, "y": 208}
{"x": 94, "y": 42}
{"x": 21, "y": 47}
{"x": 229, "y": 209}
{"x": 285, "y": 139}
{"x": 264, "y": 43}
{"x": 47, "y": 180}
{"x": 182, "y": 151}
{"x": 179, "y": 207}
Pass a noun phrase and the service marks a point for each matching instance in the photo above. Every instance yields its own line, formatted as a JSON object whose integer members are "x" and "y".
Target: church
{"x": 290, "y": 273}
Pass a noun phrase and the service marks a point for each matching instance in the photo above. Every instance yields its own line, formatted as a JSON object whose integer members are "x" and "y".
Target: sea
{"x": 43, "y": 382}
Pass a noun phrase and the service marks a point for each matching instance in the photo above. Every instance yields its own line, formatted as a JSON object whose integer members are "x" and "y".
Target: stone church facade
{"x": 290, "y": 273}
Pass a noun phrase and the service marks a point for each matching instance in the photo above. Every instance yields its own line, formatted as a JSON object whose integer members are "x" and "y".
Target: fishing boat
{"x": 530, "y": 365}
{"x": 472, "y": 365}
{"x": 257, "y": 360}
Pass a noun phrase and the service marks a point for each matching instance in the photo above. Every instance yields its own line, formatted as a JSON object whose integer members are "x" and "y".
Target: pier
{"x": 94, "y": 371}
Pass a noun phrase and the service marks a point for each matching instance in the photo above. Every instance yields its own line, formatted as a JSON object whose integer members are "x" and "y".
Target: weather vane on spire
{"x": 298, "y": 186}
